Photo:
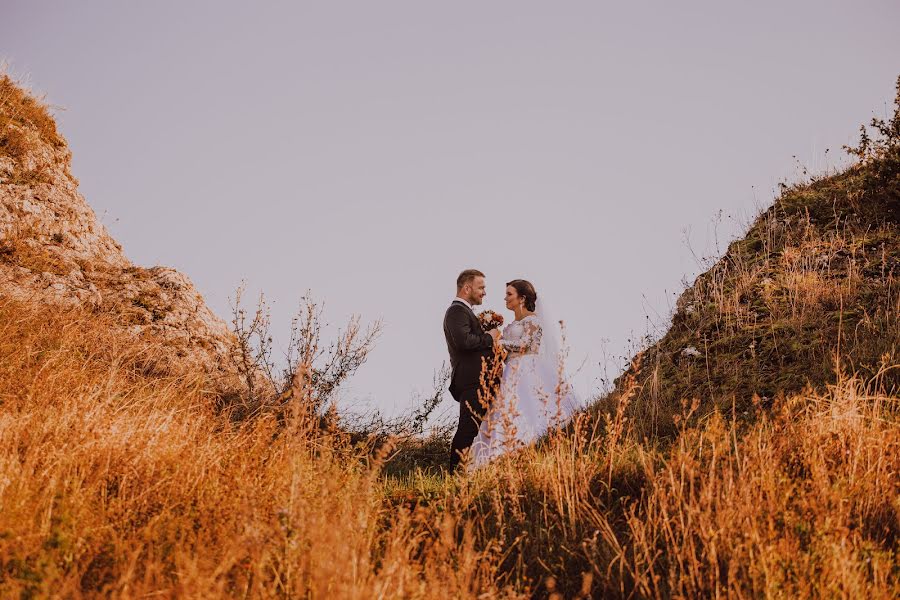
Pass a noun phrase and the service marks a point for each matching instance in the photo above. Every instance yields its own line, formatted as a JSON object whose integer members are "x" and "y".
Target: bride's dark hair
{"x": 526, "y": 290}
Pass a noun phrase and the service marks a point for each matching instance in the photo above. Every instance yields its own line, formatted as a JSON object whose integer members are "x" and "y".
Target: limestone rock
{"x": 53, "y": 249}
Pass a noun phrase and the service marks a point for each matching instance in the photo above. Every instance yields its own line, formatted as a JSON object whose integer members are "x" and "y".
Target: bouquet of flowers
{"x": 489, "y": 320}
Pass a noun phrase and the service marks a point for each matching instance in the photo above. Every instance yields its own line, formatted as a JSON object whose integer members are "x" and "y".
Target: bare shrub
{"x": 310, "y": 374}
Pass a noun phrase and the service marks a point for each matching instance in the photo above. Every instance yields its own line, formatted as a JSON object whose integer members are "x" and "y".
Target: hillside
{"x": 810, "y": 290}
{"x": 53, "y": 250}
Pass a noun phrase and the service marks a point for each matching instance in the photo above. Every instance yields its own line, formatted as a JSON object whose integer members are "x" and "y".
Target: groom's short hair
{"x": 467, "y": 276}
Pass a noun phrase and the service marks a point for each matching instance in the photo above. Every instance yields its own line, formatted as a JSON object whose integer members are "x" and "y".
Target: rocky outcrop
{"x": 53, "y": 249}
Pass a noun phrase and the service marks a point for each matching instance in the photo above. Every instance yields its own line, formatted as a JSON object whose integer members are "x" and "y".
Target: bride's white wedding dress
{"x": 533, "y": 393}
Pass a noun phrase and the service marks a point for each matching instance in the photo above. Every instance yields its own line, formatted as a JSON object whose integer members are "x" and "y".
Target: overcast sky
{"x": 369, "y": 151}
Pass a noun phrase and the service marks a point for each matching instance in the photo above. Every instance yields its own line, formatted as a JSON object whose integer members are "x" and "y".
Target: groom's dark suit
{"x": 467, "y": 345}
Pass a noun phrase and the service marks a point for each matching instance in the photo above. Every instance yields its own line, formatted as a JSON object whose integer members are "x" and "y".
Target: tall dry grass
{"x": 803, "y": 504}
{"x": 26, "y": 128}
{"x": 117, "y": 481}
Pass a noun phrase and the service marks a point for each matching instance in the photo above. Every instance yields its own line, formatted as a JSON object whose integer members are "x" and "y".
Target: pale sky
{"x": 369, "y": 151}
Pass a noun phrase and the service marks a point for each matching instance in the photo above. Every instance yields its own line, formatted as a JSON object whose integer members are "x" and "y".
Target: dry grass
{"x": 26, "y": 127}
{"x": 117, "y": 482}
{"x": 804, "y": 504}
{"x": 21, "y": 109}
{"x": 122, "y": 483}
{"x": 21, "y": 245}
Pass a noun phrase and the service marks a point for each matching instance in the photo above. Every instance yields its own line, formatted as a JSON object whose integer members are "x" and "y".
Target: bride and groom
{"x": 503, "y": 406}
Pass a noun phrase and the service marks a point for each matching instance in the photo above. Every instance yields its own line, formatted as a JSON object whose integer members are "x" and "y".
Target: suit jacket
{"x": 467, "y": 345}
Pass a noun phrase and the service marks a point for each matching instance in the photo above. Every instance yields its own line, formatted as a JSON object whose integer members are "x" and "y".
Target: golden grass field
{"x": 113, "y": 483}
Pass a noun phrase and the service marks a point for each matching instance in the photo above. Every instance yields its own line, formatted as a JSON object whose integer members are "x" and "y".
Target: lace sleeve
{"x": 530, "y": 340}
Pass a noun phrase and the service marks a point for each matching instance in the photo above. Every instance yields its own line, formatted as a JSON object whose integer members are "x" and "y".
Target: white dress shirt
{"x": 464, "y": 301}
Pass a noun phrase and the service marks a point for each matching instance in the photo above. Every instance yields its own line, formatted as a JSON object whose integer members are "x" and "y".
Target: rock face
{"x": 53, "y": 250}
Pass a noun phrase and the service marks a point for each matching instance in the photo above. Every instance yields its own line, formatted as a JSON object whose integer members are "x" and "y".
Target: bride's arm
{"x": 531, "y": 335}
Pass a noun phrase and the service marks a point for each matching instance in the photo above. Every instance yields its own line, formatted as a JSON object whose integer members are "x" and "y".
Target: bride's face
{"x": 513, "y": 300}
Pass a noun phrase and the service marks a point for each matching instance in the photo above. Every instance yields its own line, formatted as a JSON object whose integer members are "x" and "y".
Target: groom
{"x": 469, "y": 348}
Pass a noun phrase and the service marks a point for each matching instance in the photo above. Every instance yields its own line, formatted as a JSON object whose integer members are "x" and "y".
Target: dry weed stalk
{"x": 311, "y": 375}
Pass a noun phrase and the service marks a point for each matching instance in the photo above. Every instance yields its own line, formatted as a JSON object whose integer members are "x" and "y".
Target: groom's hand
{"x": 495, "y": 333}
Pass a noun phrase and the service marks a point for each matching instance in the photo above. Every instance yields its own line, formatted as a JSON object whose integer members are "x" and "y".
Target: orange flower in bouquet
{"x": 490, "y": 320}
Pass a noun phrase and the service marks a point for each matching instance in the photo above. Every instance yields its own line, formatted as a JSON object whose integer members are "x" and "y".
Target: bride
{"x": 533, "y": 394}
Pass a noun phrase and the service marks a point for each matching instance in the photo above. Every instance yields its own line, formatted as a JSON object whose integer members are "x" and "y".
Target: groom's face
{"x": 477, "y": 291}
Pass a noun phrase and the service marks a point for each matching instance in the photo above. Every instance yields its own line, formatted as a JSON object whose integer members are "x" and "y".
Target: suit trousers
{"x": 471, "y": 413}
